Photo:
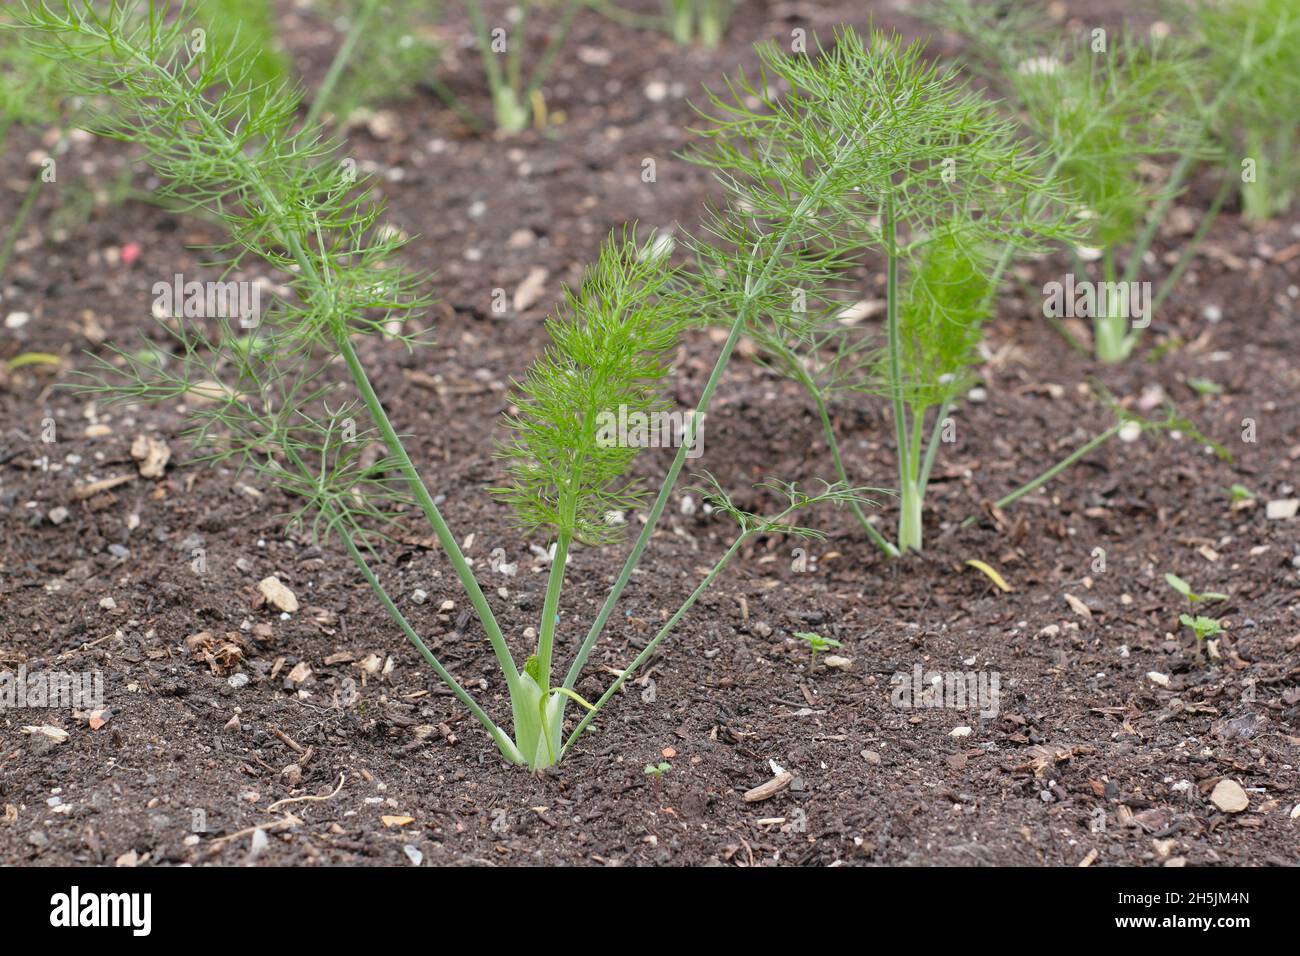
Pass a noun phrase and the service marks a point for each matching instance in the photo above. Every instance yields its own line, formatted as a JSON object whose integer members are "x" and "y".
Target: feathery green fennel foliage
{"x": 27, "y": 81}
{"x": 610, "y": 351}
{"x": 936, "y": 183}
{"x": 387, "y": 48}
{"x": 267, "y": 397}
{"x": 1252, "y": 56}
{"x": 249, "y": 26}
{"x": 223, "y": 147}
{"x": 1101, "y": 113}
{"x": 1103, "y": 107}
{"x": 942, "y": 308}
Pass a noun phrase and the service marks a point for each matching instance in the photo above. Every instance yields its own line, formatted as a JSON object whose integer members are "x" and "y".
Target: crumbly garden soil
{"x": 391, "y": 764}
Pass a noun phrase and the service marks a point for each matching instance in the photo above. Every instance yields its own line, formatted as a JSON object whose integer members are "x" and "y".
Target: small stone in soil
{"x": 278, "y": 594}
{"x": 1282, "y": 508}
{"x": 1229, "y": 797}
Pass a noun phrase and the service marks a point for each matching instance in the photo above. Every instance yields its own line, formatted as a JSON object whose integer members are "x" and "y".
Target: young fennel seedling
{"x": 268, "y": 400}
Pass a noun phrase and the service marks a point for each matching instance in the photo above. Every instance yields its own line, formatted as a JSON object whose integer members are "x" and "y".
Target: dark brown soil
{"x": 1083, "y": 730}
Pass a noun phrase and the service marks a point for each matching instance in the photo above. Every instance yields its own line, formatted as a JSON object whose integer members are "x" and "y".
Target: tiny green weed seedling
{"x": 1239, "y": 493}
{"x": 817, "y": 644}
{"x": 263, "y": 394}
{"x": 1185, "y": 589}
{"x": 656, "y": 775}
{"x": 1202, "y": 627}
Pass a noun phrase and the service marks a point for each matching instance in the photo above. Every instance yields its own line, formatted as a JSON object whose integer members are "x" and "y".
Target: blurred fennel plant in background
{"x": 517, "y": 93}
{"x": 1252, "y": 54}
{"x": 1218, "y": 85}
{"x": 705, "y": 20}
{"x": 388, "y": 48}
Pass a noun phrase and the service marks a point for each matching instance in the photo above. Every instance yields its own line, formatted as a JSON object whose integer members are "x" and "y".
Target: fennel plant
{"x": 388, "y": 46}
{"x": 249, "y": 25}
{"x": 1252, "y": 54}
{"x": 27, "y": 97}
{"x": 702, "y": 19}
{"x": 267, "y": 400}
{"x": 1106, "y": 107}
{"x": 1102, "y": 116}
{"x": 516, "y": 92}
{"x": 944, "y": 191}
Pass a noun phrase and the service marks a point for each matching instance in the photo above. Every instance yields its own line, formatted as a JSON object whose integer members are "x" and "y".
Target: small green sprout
{"x": 656, "y": 774}
{"x": 1185, "y": 589}
{"x": 817, "y": 644}
{"x": 1240, "y": 493}
{"x": 1204, "y": 386}
{"x": 1201, "y": 626}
